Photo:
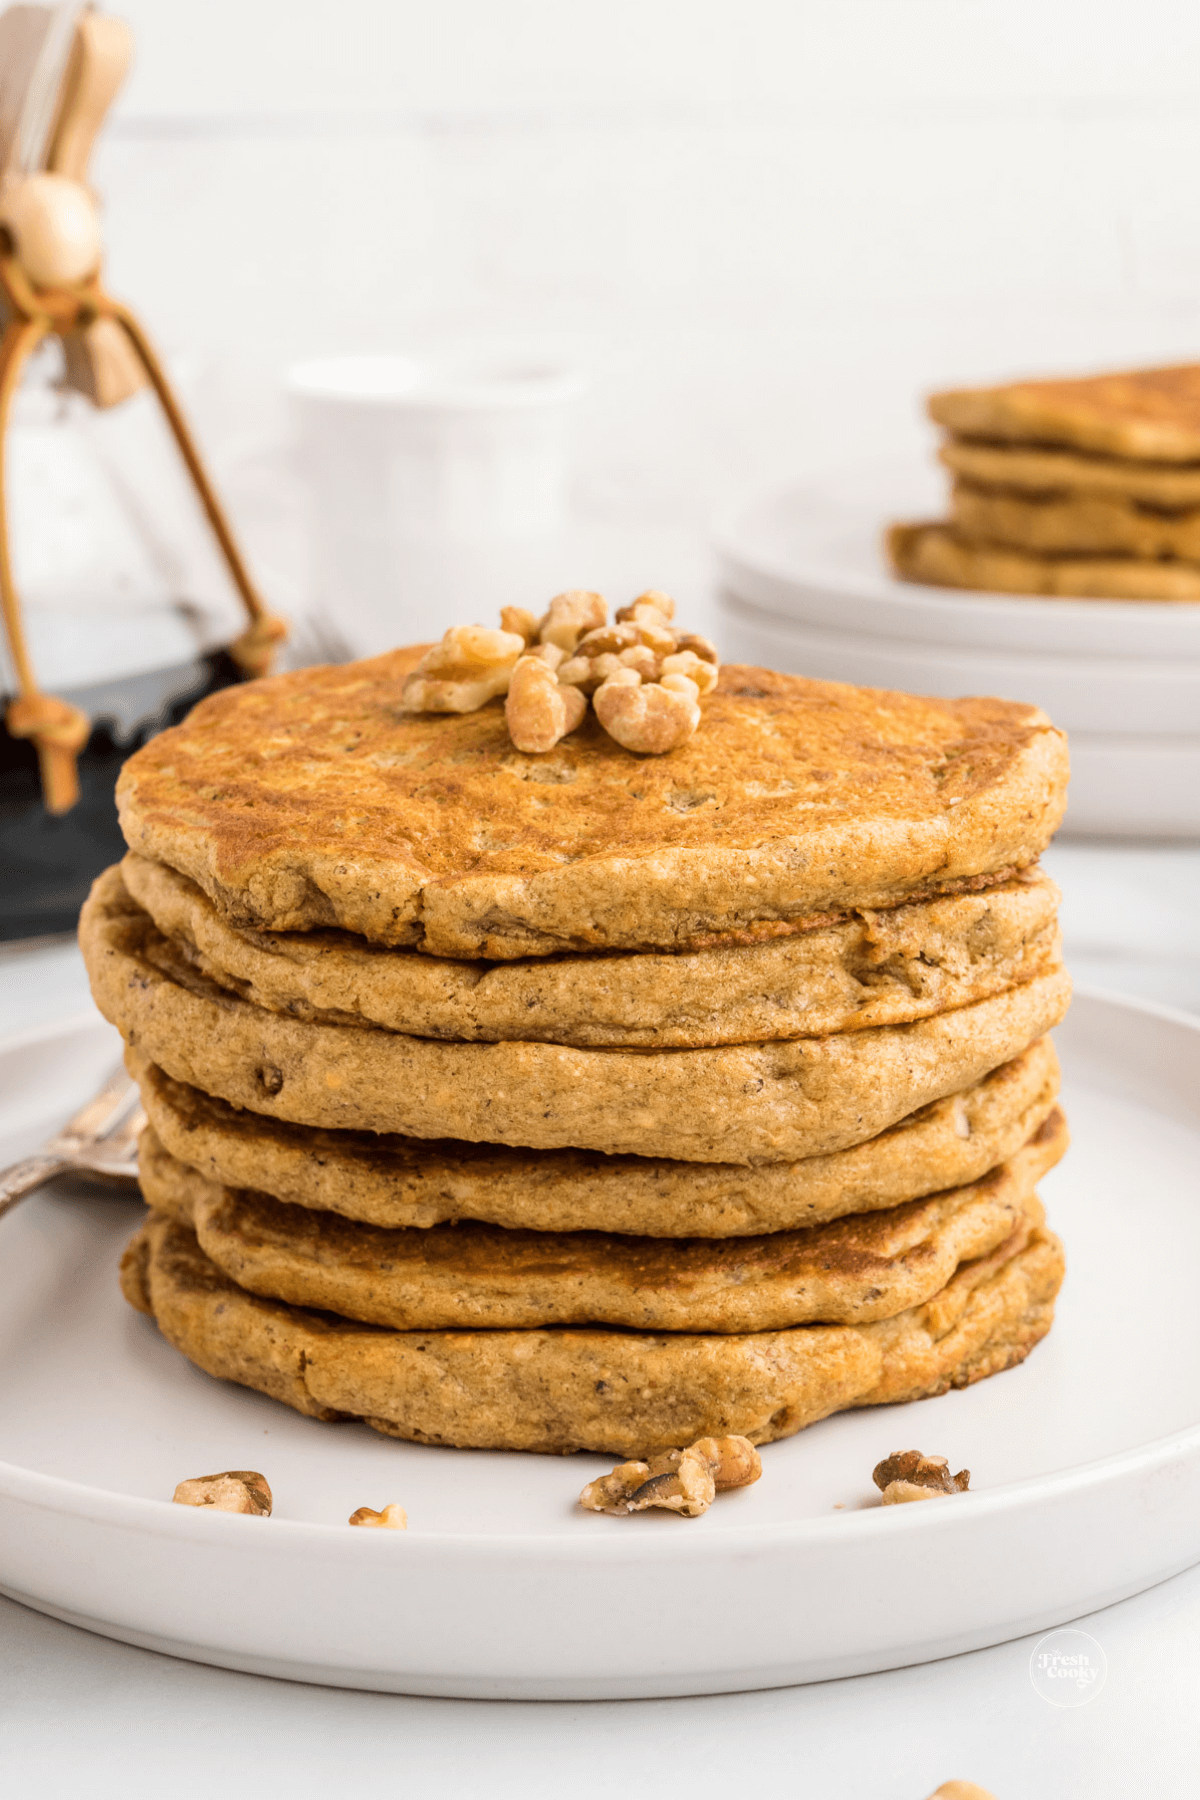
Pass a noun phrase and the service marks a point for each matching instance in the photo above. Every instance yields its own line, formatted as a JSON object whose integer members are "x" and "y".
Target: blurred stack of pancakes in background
{"x": 1075, "y": 488}
{"x": 587, "y": 1100}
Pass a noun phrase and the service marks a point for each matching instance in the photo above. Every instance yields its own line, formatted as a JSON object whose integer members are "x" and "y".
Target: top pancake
{"x": 311, "y": 800}
{"x": 1146, "y": 414}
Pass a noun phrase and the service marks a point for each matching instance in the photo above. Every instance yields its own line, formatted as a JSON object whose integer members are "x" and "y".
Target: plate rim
{"x": 1055, "y": 664}
{"x": 733, "y": 544}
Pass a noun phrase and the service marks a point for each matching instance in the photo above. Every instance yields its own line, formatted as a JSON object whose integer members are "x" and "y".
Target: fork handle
{"x": 23, "y": 1177}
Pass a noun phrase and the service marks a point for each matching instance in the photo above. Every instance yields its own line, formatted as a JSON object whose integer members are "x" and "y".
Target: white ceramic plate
{"x": 813, "y": 552}
{"x": 1085, "y": 1464}
{"x": 1108, "y": 696}
{"x": 1122, "y": 784}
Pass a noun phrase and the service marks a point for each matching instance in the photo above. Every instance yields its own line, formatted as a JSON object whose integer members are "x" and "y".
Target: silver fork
{"x": 100, "y": 1140}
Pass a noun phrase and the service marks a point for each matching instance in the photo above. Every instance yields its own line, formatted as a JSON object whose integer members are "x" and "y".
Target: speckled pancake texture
{"x": 312, "y": 800}
{"x": 562, "y": 1389}
{"x": 744, "y": 1103}
{"x": 876, "y": 968}
{"x": 408, "y": 1182}
{"x": 852, "y": 1271}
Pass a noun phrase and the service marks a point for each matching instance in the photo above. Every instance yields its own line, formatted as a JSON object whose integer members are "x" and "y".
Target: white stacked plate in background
{"x": 805, "y": 589}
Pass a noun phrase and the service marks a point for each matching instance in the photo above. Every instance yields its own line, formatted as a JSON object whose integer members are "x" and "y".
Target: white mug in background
{"x": 436, "y": 491}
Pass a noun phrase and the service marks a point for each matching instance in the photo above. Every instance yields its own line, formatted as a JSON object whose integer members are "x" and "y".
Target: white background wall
{"x": 765, "y": 225}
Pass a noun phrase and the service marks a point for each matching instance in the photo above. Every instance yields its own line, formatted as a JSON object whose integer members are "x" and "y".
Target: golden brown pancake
{"x": 1141, "y": 414}
{"x": 936, "y": 554}
{"x": 311, "y": 800}
{"x": 851, "y": 1271}
{"x": 407, "y": 1182}
{"x": 1021, "y": 468}
{"x": 879, "y": 968}
{"x": 625, "y": 1392}
{"x": 737, "y": 1103}
{"x": 1087, "y": 525}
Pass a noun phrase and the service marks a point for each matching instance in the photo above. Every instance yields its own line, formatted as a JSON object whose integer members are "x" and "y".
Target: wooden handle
{"x": 101, "y": 364}
{"x": 99, "y": 62}
{"x": 24, "y": 35}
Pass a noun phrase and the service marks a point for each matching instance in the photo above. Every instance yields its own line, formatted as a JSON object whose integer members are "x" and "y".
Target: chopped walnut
{"x": 908, "y": 1475}
{"x": 643, "y": 641}
{"x": 681, "y": 684}
{"x": 652, "y": 602}
{"x": 235, "y": 1490}
{"x": 609, "y": 640}
{"x": 646, "y": 678}
{"x": 697, "y": 669}
{"x": 611, "y": 1493}
{"x": 571, "y": 615}
{"x": 539, "y": 709}
{"x": 641, "y": 658}
{"x": 392, "y": 1518}
{"x": 649, "y": 718}
{"x": 469, "y": 667}
{"x": 550, "y": 654}
{"x": 587, "y": 672}
{"x": 651, "y": 632}
{"x": 679, "y": 1481}
{"x": 737, "y": 1463}
{"x": 657, "y": 635}
{"x": 520, "y": 620}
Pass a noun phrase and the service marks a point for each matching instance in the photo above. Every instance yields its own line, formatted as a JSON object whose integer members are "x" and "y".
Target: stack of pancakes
{"x": 1071, "y": 488}
{"x": 584, "y": 1100}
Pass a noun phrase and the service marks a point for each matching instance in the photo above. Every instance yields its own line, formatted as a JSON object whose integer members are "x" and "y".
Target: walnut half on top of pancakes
{"x": 645, "y": 679}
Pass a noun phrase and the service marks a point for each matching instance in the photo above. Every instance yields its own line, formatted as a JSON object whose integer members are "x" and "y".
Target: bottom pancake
{"x": 937, "y": 554}
{"x": 623, "y": 1392}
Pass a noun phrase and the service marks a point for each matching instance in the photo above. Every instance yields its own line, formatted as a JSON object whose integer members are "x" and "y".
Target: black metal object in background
{"x": 48, "y": 864}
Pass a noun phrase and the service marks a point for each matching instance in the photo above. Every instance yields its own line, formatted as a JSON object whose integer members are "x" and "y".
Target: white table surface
{"x": 82, "y": 1716}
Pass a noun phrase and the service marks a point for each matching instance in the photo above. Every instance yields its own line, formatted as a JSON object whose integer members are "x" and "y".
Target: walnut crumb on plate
{"x": 909, "y": 1475}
